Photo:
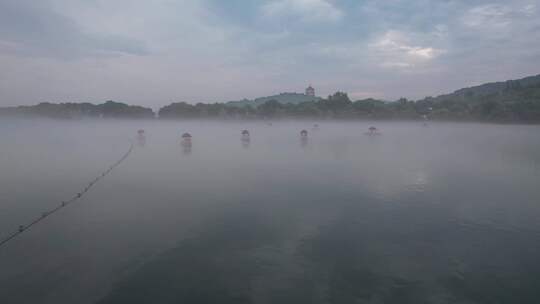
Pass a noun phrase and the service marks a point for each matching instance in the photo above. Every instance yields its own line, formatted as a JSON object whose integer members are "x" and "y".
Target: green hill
{"x": 512, "y": 100}
{"x": 508, "y": 101}
{"x": 494, "y": 88}
{"x": 283, "y": 98}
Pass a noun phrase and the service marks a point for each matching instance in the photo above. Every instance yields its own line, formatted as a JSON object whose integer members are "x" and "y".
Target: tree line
{"x": 511, "y": 101}
{"x": 109, "y": 109}
{"x": 510, "y": 105}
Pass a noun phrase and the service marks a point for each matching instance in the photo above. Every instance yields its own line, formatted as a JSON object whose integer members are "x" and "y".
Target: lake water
{"x": 448, "y": 213}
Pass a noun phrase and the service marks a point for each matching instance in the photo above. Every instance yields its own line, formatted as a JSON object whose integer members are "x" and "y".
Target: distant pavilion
{"x": 310, "y": 91}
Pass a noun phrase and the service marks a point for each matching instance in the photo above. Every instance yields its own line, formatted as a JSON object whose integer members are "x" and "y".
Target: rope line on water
{"x": 63, "y": 204}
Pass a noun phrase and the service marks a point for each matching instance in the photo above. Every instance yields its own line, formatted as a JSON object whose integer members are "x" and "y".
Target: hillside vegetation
{"x": 509, "y": 101}
{"x": 109, "y": 109}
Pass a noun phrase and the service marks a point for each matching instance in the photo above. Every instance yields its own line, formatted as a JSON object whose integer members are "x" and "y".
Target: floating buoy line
{"x": 63, "y": 204}
{"x": 186, "y": 144}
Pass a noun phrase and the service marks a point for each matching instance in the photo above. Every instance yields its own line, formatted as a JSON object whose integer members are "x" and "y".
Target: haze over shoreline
{"x": 513, "y": 101}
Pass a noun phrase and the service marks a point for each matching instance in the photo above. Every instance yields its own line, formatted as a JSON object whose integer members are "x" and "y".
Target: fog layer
{"x": 418, "y": 214}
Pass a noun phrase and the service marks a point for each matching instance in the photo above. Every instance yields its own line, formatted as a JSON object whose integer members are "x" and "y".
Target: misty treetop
{"x": 283, "y": 98}
{"x": 510, "y": 101}
{"x": 109, "y": 109}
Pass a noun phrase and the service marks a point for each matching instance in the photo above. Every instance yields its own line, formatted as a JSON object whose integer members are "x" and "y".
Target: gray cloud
{"x": 33, "y": 28}
{"x": 153, "y": 52}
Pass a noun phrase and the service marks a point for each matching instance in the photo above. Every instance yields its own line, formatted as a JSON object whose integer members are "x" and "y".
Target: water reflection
{"x": 218, "y": 265}
{"x": 245, "y": 139}
{"x": 359, "y": 251}
{"x": 304, "y": 138}
{"x": 372, "y": 131}
{"x": 417, "y": 180}
{"x": 141, "y": 138}
{"x": 186, "y": 143}
{"x": 445, "y": 214}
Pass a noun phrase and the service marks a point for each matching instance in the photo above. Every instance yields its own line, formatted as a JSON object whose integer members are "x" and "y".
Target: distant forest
{"x": 109, "y": 109}
{"x": 509, "y": 101}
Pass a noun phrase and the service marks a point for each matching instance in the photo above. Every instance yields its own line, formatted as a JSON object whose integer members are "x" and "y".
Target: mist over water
{"x": 446, "y": 213}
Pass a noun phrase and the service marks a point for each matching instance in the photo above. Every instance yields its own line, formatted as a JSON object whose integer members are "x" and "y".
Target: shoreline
{"x": 261, "y": 120}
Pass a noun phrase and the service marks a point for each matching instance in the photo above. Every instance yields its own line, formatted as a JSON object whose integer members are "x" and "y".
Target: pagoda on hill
{"x": 310, "y": 91}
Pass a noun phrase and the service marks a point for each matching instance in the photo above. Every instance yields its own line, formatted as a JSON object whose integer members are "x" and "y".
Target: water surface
{"x": 447, "y": 213}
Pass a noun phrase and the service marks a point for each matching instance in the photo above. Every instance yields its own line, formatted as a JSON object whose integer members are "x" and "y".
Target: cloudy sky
{"x": 153, "y": 52}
